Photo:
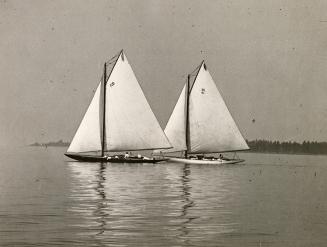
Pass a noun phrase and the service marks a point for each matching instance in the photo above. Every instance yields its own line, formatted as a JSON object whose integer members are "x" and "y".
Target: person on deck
{"x": 126, "y": 156}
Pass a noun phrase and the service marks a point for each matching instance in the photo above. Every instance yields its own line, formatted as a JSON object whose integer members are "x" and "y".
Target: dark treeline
{"x": 306, "y": 147}
{"x": 59, "y": 143}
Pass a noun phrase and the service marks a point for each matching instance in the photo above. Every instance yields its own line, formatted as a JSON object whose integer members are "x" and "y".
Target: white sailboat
{"x": 201, "y": 123}
{"x": 118, "y": 119}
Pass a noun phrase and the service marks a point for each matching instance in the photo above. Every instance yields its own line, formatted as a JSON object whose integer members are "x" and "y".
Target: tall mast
{"x": 187, "y": 124}
{"x": 104, "y": 110}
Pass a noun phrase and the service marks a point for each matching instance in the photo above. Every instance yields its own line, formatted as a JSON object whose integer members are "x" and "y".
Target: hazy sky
{"x": 268, "y": 59}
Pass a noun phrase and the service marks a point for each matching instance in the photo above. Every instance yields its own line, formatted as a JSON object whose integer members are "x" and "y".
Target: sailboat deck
{"x": 114, "y": 159}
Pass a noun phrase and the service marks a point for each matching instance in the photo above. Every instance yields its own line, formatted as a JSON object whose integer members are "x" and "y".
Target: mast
{"x": 104, "y": 109}
{"x": 187, "y": 122}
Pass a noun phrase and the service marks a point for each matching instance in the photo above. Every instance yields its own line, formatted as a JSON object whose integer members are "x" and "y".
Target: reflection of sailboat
{"x": 118, "y": 119}
{"x": 202, "y": 124}
{"x": 102, "y": 205}
{"x": 89, "y": 197}
{"x": 186, "y": 189}
{"x": 188, "y": 202}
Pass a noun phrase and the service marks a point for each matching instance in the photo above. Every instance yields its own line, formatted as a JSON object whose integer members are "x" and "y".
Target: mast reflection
{"x": 102, "y": 205}
{"x": 89, "y": 196}
{"x": 188, "y": 203}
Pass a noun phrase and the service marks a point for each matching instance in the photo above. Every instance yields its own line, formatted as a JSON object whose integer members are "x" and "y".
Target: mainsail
{"x": 129, "y": 121}
{"x": 211, "y": 126}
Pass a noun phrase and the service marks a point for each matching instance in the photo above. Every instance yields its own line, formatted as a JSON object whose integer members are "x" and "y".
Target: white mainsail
{"x": 129, "y": 121}
{"x": 211, "y": 126}
{"x": 87, "y": 137}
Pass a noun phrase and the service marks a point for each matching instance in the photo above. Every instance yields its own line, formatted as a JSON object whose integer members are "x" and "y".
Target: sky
{"x": 268, "y": 59}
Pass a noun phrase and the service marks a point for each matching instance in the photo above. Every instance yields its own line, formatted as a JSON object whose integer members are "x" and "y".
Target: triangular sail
{"x": 212, "y": 128}
{"x": 87, "y": 137}
{"x": 175, "y": 128}
{"x": 130, "y": 122}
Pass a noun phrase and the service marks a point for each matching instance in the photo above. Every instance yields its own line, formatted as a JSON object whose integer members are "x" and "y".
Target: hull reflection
{"x": 151, "y": 204}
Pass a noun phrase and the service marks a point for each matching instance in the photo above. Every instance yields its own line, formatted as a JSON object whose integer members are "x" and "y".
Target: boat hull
{"x": 206, "y": 162}
{"x": 89, "y": 158}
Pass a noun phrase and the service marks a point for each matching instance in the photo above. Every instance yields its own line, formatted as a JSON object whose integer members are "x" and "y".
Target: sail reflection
{"x": 151, "y": 204}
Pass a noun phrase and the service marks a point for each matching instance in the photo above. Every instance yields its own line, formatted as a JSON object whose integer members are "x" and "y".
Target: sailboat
{"x": 201, "y": 123}
{"x": 118, "y": 119}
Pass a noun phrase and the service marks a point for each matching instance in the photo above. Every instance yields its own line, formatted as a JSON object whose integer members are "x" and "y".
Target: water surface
{"x": 270, "y": 200}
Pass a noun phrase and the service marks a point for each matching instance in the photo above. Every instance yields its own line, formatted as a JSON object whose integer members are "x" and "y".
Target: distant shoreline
{"x": 258, "y": 152}
{"x": 59, "y": 143}
{"x": 256, "y": 146}
{"x": 288, "y": 147}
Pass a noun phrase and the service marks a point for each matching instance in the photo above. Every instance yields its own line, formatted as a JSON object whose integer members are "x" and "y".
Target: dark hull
{"x": 89, "y": 158}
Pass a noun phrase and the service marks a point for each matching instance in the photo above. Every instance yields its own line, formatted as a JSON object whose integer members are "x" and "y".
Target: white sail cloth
{"x": 211, "y": 126}
{"x": 175, "y": 128}
{"x": 88, "y": 135}
{"x": 129, "y": 121}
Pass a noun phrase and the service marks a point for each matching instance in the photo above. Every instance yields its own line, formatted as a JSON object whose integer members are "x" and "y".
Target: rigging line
{"x": 112, "y": 60}
{"x": 115, "y": 56}
{"x": 193, "y": 73}
{"x": 108, "y": 62}
{"x": 196, "y": 76}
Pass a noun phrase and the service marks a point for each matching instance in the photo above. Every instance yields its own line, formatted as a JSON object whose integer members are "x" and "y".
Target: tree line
{"x": 289, "y": 147}
{"x": 59, "y": 143}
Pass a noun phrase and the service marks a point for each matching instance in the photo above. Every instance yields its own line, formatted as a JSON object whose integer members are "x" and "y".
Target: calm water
{"x": 271, "y": 200}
